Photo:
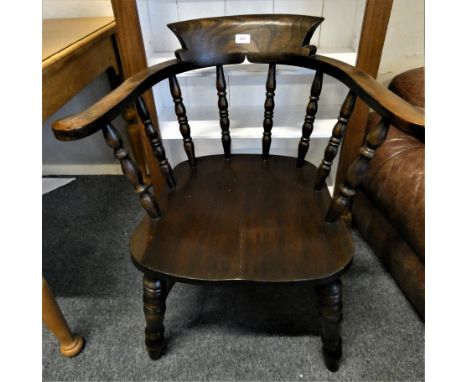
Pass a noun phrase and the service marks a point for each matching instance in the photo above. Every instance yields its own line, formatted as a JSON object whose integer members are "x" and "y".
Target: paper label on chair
{"x": 242, "y": 39}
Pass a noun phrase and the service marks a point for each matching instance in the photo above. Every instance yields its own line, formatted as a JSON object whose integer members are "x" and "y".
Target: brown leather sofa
{"x": 388, "y": 208}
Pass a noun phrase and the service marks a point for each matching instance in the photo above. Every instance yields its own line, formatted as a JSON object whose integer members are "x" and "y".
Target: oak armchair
{"x": 236, "y": 218}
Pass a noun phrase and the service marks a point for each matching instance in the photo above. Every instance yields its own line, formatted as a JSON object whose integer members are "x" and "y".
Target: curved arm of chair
{"x": 92, "y": 119}
{"x": 400, "y": 113}
{"x": 390, "y": 106}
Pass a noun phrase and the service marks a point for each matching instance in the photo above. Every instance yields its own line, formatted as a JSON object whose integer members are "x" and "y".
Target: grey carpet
{"x": 215, "y": 333}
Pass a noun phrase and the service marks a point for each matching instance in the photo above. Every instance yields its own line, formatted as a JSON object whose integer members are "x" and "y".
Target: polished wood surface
{"x": 155, "y": 141}
{"x": 243, "y": 219}
{"x": 333, "y": 145}
{"x": 330, "y": 308}
{"x": 133, "y": 59}
{"x": 75, "y": 52}
{"x": 136, "y": 144}
{"x": 402, "y": 114}
{"x": 311, "y": 111}
{"x": 131, "y": 171}
{"x": 356, "y": 172}
{"x": 212, "y": 41}
{"x": 70, "y": 344}
{"x": 62, "y": 38}
{"x": 223, "y": 111}
{"x": 269, "y": 107}
{"x": 181, "y": 114}
{"x": 154, "y": 307}
{"x": 371, "y": 43}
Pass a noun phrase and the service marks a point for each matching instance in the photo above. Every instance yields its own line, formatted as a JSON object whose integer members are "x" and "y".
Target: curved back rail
{"x": 274, "y": 39}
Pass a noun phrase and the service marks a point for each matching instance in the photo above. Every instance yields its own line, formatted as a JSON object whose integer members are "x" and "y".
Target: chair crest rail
{"x": 259, "y": 38}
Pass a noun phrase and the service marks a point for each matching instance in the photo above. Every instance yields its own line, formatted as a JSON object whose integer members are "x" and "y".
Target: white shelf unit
{"x": 337, "y": 37}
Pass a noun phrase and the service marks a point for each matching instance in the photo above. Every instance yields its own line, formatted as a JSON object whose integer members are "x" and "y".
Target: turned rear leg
{"x": 154, "y": 306}
{"x": 330, "y": 307}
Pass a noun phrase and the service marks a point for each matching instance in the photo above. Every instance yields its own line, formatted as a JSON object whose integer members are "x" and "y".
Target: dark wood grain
{"x": 309, "y": 118}
{"x": 269, "y": 107}
{"x": 223, "y": 111}
{"x": 330, "y": 308}
{"x": 131, "y": 171}
{"x": 92, "y": 119}
{"x": 371, "y": 42}
{"x": 251, "y": 220}
{"x": 134, "y": 127}
{"x": 182, "y": 119}
{"x": 154, "y": 307}
{"x": 399, "y": 112}
{"x": 357, "y": 170}
{"x": 155, "y": 141}
{"x": 211, "y": 41}
{"x": 386, "y": 103}
{"x": 133, "y": 59}
{"x": 333, "y": 145}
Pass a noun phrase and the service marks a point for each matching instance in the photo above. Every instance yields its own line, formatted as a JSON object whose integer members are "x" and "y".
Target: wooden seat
{"x": 243, "y": 219}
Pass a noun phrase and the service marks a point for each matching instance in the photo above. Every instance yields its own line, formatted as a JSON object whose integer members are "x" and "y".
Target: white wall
{"x": 404, "y": 43}
{"x": 54, "y": 9}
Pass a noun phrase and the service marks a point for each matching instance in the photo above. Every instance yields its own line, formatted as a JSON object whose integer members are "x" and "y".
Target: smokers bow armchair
{"x": 230, "y": 218}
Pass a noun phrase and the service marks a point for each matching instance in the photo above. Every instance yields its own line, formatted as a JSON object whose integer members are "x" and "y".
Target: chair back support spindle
{"x": 269, "y": 106}
{"x": 333, "y": 146}
{"x": 374, "y": 139}
{"x": 131, "y": 171}
{"x": 182, "y": 119}
{"x": 308, "y": 125}
{"x": 156, "y": 142}
{"x": 278, "y": 39}
{"x": 223, "y": 111}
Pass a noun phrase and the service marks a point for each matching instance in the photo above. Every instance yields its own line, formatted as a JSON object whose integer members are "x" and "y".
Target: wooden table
{"x": 75, "y": 51}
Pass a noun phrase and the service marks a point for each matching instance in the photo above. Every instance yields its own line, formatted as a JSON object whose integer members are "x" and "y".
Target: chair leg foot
{"x": 73, "y": 349}
{"x": 154, "y": 306}
{"x": 330, "y": 307}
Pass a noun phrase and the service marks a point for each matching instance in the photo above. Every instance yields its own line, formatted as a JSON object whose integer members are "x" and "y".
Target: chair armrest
{"x": 387, "y": 104}
{"x": 92, "y": 119}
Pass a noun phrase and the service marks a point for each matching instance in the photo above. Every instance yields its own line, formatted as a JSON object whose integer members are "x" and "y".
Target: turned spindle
{"x": 330, "y": 309}
{"x": 223, "y": 111}
{"x": 269, "y": 106}
{"x": 357, "y": 170}
{"x": 333, "y": 146}
{"x": 181, "y": 114}
{"x": 131, "y": 171}
{"x": 308, "y": 125}
{"x": 154, "y": 307}
{"x": 156, "y": 142}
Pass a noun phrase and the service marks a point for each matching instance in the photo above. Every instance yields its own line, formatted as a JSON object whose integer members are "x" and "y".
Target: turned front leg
{"x": 330, "y": 307}
{"x": 154, "y": 306}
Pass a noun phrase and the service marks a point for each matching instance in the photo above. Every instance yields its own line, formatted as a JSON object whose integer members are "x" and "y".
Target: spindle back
{"x": 230, "y": 40}
{"x": 266, "y": 39}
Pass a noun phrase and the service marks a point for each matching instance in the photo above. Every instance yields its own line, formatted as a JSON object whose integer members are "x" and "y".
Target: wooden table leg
{"x": 70, "y": 344}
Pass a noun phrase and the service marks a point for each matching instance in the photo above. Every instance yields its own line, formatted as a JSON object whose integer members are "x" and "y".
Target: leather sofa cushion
{"x": 410, "y": 86}
{"x": 395, "y": 180}
{"x": 395, "y": 183}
